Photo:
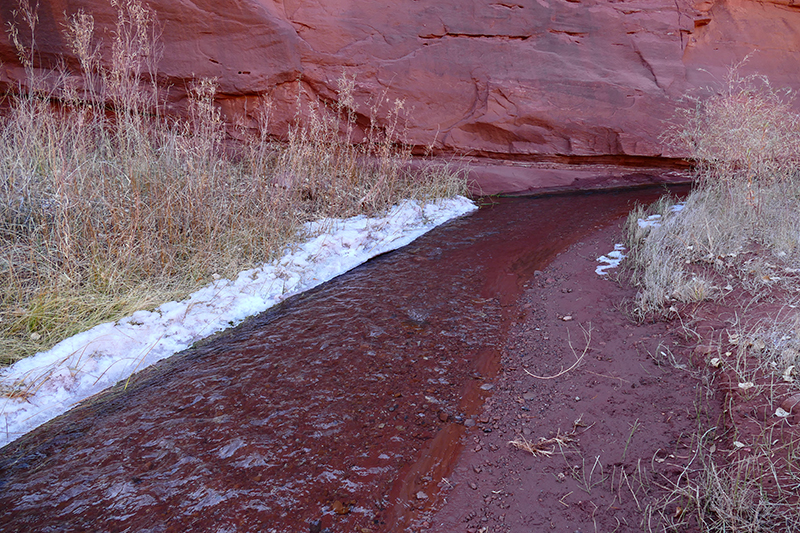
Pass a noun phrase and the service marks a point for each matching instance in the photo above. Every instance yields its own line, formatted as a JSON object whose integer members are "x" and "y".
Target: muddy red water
{"x": 340, "y": 409}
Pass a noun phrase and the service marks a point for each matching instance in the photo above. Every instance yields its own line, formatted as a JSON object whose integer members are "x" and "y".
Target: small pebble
{"x": 487, "y": 386}
{"x": 422, "y": 496}
{"x": 473, "y": 486}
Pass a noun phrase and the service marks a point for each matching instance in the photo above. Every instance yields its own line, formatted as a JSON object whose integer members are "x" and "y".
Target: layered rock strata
{"x": 533, "y": 80}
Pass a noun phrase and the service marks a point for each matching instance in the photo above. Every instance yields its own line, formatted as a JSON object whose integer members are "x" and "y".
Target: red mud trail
{"x": 631, "y": 420}
{"x": 347, "y": 408}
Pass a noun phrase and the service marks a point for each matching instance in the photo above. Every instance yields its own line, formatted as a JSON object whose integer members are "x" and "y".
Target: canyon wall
{"x": 522, "y": 79}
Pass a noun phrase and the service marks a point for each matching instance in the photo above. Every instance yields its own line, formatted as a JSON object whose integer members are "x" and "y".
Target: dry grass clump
{"x": 742, "y": 218}
{"x": 755, "y": 493}
{"x": 743, "y": 473}
{"x": 747, "y": 132}
{"x": 108, "y": 206}
{"x": 738, "y": 232}
{"x": 768, "y": 355}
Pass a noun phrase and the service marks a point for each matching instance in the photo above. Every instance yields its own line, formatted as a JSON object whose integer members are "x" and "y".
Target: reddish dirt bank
{"x": 624, "y": 422}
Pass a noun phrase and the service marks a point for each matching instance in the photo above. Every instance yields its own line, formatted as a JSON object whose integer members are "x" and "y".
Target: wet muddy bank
{"x": 343, "y": 407}
{"x": 610, "y": 434}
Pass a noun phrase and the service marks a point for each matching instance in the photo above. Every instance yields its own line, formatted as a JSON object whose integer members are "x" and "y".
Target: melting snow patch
{"x": 612, "y": 260}
{"x": 51, "y": 382}
{"x": 654, "y": 221}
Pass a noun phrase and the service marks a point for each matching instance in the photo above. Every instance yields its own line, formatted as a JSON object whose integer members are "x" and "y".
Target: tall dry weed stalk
{"x": 107, "y": 205}
{"x": 745, "y": 140}
{"x": 747, "y": 132}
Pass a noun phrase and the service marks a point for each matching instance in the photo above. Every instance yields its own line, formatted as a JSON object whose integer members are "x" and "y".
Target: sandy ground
{"x": 610, "y": 433}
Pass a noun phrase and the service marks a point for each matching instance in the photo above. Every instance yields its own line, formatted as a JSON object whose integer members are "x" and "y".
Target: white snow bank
{"x": 52, "y": 382}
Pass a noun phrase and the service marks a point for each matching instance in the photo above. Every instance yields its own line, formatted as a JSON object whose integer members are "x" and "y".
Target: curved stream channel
{"x": 341, "y": 408}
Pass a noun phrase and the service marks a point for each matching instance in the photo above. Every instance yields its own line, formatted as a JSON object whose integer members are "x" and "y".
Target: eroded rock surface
{"x": 531, "y": 79}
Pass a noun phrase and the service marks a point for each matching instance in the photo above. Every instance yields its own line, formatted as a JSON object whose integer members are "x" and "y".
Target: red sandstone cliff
{"x": 520, "y": 78}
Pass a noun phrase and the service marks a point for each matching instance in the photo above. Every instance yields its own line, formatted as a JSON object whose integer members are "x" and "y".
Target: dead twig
{"x": 587, "y": 334}
{"x": 540, "y": 448}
